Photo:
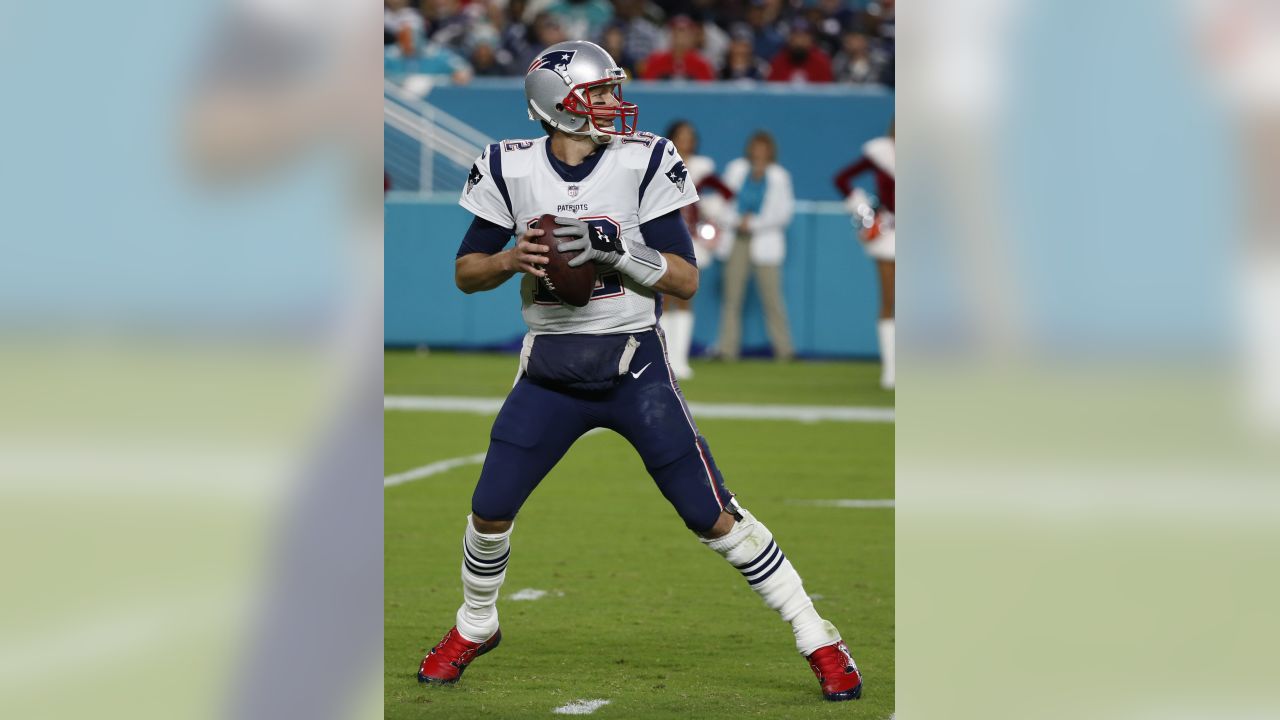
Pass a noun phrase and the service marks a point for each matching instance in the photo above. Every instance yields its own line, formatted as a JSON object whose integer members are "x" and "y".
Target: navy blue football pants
{"x": 537, "y": 424}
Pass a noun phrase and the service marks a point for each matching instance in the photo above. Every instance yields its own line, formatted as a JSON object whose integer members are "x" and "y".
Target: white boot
{"x": 885, "y": 330}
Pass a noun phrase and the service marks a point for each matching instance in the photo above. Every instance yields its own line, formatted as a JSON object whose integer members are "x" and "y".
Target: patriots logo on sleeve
{"x": 557, "y": 62}
{"x": 474, "y": 178}
{"x": 677, "y": 175}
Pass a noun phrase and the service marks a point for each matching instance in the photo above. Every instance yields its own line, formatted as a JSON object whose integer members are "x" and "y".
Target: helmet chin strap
{"x": 600, "y": 138}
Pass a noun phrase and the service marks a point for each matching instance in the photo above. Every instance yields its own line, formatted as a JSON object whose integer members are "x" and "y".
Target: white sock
{"x": 677, "y": 325}
{"x": 484, "y": 567}
{"x": 750, "y": 548}
{"x": 886, "y": 332}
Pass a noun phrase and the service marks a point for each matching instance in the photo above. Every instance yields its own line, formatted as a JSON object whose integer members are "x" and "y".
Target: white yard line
{"x": 434, "y": 468}
{"x": 580, "y": 707}
{"x": 425, "y": 403}
{"x": 845, "y": 503}
{"x": 441, "y": 466}
{"x": 796, "y": 413}
{"x": 534, "y": 594}
{"x": 723, "y": 411}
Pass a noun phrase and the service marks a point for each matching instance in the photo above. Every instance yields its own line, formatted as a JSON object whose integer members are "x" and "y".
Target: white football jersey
{"x": 636, "y": 179}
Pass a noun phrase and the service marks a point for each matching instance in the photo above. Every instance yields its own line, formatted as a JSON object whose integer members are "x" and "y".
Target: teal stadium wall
{"x": 829, "y": 283}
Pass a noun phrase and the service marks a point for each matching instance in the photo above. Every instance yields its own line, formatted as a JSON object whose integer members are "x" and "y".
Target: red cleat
{"x": 446, "y": 661}
{"x": 837, "y": 672}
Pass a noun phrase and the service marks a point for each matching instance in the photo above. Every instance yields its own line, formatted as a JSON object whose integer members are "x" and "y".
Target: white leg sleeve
{"x": 886, "y": 331}
{"x": 484, "y": 567}
{"x": 750, "y": 548}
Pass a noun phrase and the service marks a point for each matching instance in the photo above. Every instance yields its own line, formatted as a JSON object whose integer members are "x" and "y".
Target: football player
{"x": 876, "y": 228}
{"x": 617, "y": 195}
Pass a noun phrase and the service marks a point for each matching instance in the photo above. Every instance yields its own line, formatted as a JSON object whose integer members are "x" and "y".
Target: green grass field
{"x": 637, "y": 611}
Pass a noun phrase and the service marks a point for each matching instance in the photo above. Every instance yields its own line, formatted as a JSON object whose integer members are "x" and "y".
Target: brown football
{"x": 571, "y": 285}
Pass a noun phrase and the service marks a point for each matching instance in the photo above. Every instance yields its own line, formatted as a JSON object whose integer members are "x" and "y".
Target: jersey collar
{"x": 576, "y": 173}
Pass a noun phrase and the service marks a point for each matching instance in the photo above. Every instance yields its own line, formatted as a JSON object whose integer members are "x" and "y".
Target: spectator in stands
{"x": 546, "y": 32}
{"x": 719, "y": 12}
{"x": 762, "y": 210}
{"x": 517, "y": 36}
{"x": 432, "y": 58}
{"x": 401, "y": 25}
{"x": 762, "y": 16}
{"x": 447, "y": 24}
{"x": 711, "y": 40}
{"x": 643, "y": 34}
{"x": 800, "y": 61}
{"x": 581, "y": 19}
{"x": 855, "y": 63}
{"x": 630, "y": 31}
{"x": 488, "y": 58}
{"x": 880, "y": 17}
{"x": 741, "y": 62}
{"x": 682, "y": 61}
{"x": 830, "y": 19}
{"x": 614, "y": 41}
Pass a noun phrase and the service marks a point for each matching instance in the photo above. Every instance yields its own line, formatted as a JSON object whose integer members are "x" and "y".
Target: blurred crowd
{"x": 799, "y": 41}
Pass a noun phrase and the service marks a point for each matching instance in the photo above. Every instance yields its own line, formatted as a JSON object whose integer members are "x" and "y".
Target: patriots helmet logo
{"x": 677, "y": 175}
{"x": 557, "y": 62}
{"x": 474, "y": 178}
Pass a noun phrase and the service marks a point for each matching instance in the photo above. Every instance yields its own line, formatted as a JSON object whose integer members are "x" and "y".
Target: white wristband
{"x": 643, "y": 264}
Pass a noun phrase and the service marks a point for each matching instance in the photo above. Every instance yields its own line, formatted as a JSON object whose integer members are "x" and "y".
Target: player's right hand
{"x": 528, "y": 256}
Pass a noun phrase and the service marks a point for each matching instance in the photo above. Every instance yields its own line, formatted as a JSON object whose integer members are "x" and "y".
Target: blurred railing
{"x": 426, "y": 149}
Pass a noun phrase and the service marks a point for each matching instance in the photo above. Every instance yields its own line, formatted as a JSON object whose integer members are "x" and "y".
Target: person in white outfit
{"x": 702, "y": 218}
{"x": 762, "y": 209}
{"x": 875, "y": 226}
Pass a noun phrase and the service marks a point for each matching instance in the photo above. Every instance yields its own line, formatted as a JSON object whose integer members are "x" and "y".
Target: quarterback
{"x": 616, "y": 194}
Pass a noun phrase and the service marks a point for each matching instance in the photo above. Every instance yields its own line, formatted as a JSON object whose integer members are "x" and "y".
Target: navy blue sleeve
{"x": 668, "y": 234}
{"x": 484, "y": 237}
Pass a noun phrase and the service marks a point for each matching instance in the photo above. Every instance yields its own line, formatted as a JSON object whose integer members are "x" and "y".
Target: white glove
{"x": 641, "y": 262}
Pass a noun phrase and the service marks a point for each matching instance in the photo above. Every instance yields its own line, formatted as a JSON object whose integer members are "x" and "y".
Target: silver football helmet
{"x": 556, "y": 87}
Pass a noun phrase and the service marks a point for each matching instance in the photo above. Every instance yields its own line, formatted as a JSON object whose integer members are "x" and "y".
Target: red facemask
{"x": 602, "y": 117}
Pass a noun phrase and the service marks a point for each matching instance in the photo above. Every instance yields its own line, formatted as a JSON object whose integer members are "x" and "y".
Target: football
{"x": 571, "y": 285}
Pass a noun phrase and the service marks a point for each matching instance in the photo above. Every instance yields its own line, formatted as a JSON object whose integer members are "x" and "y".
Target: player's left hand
{"x": 594, "y": 246}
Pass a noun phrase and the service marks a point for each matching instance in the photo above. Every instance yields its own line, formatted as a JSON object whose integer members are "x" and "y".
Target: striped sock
{"x": 484, "y": 567}
{"x": 751, "y": 549}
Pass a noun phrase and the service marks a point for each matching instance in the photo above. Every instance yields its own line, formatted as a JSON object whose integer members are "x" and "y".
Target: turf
{"x": 637, "y": 612}
{"x": 758, "y": 381}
